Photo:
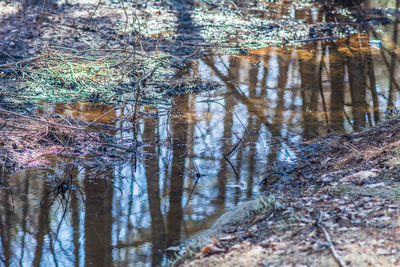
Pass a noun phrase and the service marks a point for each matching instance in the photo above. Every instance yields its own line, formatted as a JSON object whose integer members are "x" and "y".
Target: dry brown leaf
{"x": 213, "y": 248}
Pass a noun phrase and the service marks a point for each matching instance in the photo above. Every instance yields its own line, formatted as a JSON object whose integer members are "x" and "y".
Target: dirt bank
{"x": 339, "y": 205}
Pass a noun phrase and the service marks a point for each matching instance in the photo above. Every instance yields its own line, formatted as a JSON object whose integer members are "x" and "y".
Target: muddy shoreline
{"x": 340, "y": 196}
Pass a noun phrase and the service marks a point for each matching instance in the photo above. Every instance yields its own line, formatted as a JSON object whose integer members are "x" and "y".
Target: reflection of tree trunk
{"x": 234, "y": 73}
{"x": 392, "y": 71}
{"x": 253, "y": 78}
{"x": 5, "y": 231}
{"x": 234, "y": 66}
{"x": 75, "y": 225}
{"x": 153, "y": 191}
{"x": 355, "y": 68}
{"x": 336, "y": 71}
{"x": 282, "y": 81}
{"x": 254, "y": 127}
{"x": 179, "y": 127}
{"x": 226, "y": 147}
{"x": 191, "y": 155}
{"x": 309, "y": 83}
{"x": 25, "y": 213}
{"x": 263, "y": 84}
{"x": 43, "y": 225}
{"x": 372, "y": 85}
{"x": 75, "y": 214}
{"x": 98, "y": 219}
{"x": 238, "y": 167}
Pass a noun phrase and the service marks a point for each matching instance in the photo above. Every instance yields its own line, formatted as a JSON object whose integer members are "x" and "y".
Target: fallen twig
{"x": 5, "y": 53}
{"x": 21, "y": 61}
{"x": 331, "y": 246}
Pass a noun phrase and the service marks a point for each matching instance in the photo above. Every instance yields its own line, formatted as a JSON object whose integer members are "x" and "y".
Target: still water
{"x": 200, "y": 157}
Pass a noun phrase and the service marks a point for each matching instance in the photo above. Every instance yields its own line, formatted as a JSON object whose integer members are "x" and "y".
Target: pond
{"x": 203, "y": 155}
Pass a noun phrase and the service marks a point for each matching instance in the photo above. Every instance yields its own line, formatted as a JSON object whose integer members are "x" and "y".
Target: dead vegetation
{"x": 32, "y": 140}
{"x": 374, "y": 150}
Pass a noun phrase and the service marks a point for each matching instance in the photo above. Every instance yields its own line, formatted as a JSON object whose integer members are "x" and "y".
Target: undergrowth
{"x": 62, "y": 77}
{"x": 72, "y": 76}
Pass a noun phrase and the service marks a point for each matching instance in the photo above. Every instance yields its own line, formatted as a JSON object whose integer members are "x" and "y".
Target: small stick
{"x": 233, "y": 167}
{"x": 198, "y": 175}
{"x": 140, "y": 89}
{"x": 21, "y": 61}
{"x": 94, "y": 12}
{"x": 105, "y": 114}
{"x": 331, "y": 246}
{"x": 234, "y": 147}
{"x": 5, "y": 53}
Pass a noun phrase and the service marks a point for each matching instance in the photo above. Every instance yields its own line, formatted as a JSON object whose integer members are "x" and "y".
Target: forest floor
{"x": 338, "y": 206}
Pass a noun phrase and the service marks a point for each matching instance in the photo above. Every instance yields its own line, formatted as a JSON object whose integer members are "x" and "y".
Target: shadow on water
{"x": 209, "y": 152}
